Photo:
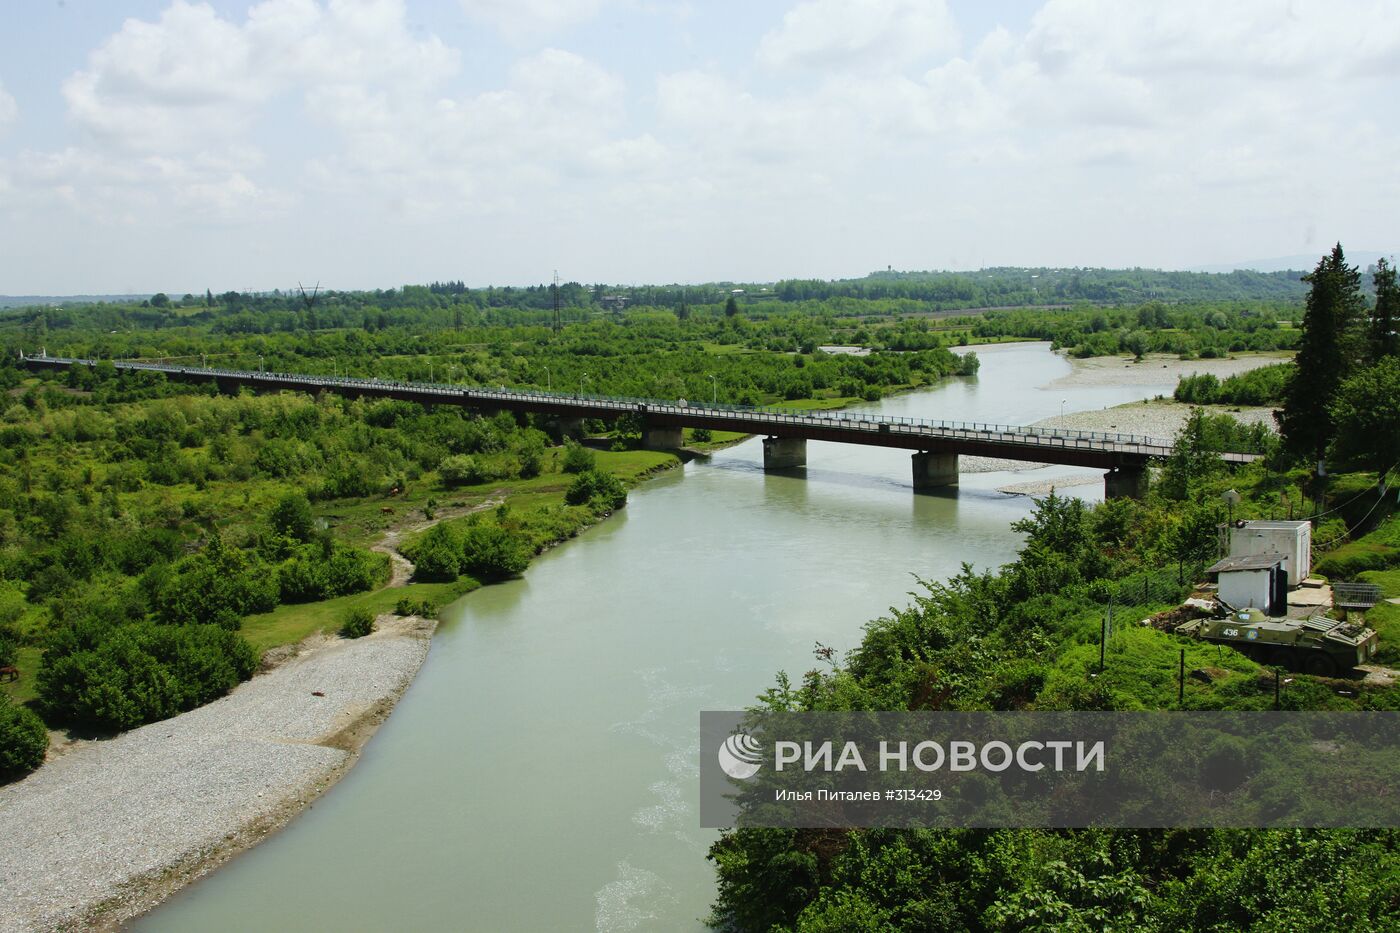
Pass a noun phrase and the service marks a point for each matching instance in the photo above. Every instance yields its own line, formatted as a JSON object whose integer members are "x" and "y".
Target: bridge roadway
{"x": 937, "y": 444}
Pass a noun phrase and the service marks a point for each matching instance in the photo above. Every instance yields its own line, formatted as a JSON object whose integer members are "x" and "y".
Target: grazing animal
{"x": 386, "y": 510}
{"x": 9, "y": 673}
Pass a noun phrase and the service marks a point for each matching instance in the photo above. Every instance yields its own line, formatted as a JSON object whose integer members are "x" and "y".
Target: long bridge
{"x": 936, "y": 444}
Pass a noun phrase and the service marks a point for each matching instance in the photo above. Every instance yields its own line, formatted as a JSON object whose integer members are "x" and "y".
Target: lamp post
{"x": 582, "y": 381}
{"x": 1062, "y": 407}
{"x": 260, "y": 363}
{"x": 714, "y": 389}
{"x": 548, "y": 380}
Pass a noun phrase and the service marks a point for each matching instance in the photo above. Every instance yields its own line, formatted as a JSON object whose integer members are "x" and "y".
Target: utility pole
{"x": 558, "y": 326}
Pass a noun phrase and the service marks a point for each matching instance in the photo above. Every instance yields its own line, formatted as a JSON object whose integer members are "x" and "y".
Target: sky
{"x": 172, "y": 145}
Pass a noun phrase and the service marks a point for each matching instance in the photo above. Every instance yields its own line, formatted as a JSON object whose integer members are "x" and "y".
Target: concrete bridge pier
{"x": 569, "y": 427}
{"x": 932, "y": 470}
{"x": 1125, "y": 482}
{"x": 662, "y": 437}
{"x": 784, "y": 453}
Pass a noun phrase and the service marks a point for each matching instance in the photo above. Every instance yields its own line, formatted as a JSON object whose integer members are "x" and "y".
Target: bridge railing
{"x": 849, "y": 420}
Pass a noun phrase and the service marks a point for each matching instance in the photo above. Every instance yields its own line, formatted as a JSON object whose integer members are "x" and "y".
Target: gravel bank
{"x": 1158, "y": 369}
{"x": 1154, "y": 418}
{"x": 113, "y": 827}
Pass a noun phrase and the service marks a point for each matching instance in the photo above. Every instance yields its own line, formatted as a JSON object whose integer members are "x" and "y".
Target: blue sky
{"x": 176, "y": 145}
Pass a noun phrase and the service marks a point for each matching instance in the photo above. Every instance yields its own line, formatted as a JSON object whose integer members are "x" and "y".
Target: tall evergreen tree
{"x": 1384, "y": 339}
{"x": 1330, "y": 346}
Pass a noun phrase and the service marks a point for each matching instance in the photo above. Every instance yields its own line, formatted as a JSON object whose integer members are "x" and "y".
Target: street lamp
{"x": 714, "y": 389}
{"x": 548, "y": 380}
{"x": 583, "y": 379}
{"x": 1062, "y": 407}
{"x": 260, "y": 363}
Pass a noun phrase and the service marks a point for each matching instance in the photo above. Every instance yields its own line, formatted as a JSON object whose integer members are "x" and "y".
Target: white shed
{"x": 1291, "y": 539}
{"x": 1253, "y": 581}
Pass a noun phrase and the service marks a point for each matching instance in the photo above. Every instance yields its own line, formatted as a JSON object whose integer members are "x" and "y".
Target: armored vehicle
{"x": 1319, "y": 645}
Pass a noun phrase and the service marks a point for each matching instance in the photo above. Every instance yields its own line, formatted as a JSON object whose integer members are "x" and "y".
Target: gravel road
{"x": 112, "y": 827}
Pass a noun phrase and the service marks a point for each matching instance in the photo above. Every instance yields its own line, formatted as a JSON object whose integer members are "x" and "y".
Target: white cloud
{"x": 827, "y": 34}
{"x": 192, "y": 77}
{"x": 522, "y": 19}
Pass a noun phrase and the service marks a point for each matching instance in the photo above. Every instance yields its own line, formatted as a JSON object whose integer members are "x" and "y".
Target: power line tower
{"x": 309, "y": 301}
{"x": 558, "y": 326}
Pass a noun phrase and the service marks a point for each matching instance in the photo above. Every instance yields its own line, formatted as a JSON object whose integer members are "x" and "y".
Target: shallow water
{"x": 540, "y": 773}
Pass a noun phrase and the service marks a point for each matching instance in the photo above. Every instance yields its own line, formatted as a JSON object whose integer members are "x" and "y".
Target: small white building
{"x": 1291, "y": 539}
{"x": 1253, "y": 581}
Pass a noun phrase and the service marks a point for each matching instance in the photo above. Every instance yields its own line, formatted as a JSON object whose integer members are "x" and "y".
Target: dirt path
{"x": 402, "y": 567}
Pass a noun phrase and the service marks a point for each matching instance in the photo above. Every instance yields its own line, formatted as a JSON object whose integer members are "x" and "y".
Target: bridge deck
{"x": 1014, "y": 442}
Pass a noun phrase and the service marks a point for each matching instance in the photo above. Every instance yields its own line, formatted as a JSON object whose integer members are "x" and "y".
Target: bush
{"x": 408, "y": 606}
{"x": 291, "y": 517}
{"x": 600, "y": 490}
{"x": 462, "y": 470}
{"x": 358, "y": 623}
{"x": 701, "y": 435}
{"x": 120, "y": 677}
{"x": 23, "y": 740}
{"x": 218, "y": 586}
{"x": 578, "y": 459}
{"x": 311, "y": 575}
{"x": 437, "y": 555}
{"x": 492, "y": 551}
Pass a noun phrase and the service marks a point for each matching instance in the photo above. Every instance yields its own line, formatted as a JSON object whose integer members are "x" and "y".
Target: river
{"x": 540, "y": 773}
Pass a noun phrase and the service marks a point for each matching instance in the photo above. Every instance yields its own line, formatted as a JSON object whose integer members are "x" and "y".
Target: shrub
{"x": 23, "y": 740}
{"x": 578, "y": 458}
{"x": 120, "y": 677}
{"x": 219, "y": 585}
{"x": 600, "y": 490}
{"x": 493, "y": 551}
{"x": 358, "y": 623}
{"x": 291, "y": 516}
{"x": 462, "y": 470}
{"x": 408, "y": 606}
{"x": 701, "y": 435}
{"x": 438, "y": 555}
{"x": 312, "y": 575}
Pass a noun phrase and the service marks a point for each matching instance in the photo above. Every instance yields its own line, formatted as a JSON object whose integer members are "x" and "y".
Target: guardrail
{"x": 853, "y": 421}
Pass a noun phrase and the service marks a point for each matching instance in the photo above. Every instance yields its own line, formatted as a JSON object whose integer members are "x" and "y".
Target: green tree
{"x": 578, "y": 458}
{"x": 1385, "y": 319}
{"x": 1326, "y": 355}
{"x": 438, "y": 554}
{"x": 731, "y": 307}
{"x": 160, "y": 300}
{"x": 1193, "y": 459}
{"x": 291, "y": 517}
{"x": 23, "y": 739}
{"x": 492, "y": 551}
{"x": 461, "y": 470}
{"x": 1367, "y": 415}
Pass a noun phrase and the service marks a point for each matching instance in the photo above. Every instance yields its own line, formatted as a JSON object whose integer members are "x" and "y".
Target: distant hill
{"x": 21, "y": 301}
{"x": 1301, "y": 262}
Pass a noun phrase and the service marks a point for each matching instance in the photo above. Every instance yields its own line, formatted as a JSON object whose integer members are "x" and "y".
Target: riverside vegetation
{"x": 1024, "y": 637}
{"x": 125, "y": 495}
{"x": 154, "y": 538}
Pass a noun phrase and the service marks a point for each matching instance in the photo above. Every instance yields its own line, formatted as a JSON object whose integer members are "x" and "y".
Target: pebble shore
{"x": 112, "y": 827}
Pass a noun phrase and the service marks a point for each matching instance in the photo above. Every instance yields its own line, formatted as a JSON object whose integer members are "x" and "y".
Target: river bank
{"x": 112, "y": 827}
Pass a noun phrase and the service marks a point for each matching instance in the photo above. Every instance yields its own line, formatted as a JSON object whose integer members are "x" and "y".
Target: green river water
{"x": 541, "y": 771}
